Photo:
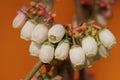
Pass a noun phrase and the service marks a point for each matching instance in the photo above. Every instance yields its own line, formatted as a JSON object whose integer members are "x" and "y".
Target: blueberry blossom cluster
{"x": 50, "y": 41}
{"x": 53, "y": 42}
{"x": 98, "y": 9}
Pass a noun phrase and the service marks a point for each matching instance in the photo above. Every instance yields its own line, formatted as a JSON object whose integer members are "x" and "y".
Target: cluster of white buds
{"x": 82, "y": 44}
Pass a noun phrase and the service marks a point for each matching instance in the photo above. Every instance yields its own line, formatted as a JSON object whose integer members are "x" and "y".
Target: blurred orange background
{"x": 15, "y": 61}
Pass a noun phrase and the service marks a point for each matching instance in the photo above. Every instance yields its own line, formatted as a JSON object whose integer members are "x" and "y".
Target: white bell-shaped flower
{"x": 90, "y": 46}
{"x": 56, "y": 33}
{"x": 77, "y": 56}
{"x": 27, "y": 30}
{"x": 89, "y": 62}
{"x": 19, "y": 20}
{"x": 107, "y": 38}
{"x": 46, "y": 52}
{"x": 62, "y": 50}
{"x": 34, "y": 49}
{"x": 40, "y": 33}
{"x": 103, "y": 51}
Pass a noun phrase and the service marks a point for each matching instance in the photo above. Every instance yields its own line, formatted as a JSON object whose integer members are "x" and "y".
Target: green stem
{"x": 34, "y": 70}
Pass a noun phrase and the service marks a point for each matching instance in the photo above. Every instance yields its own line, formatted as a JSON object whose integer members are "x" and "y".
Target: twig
{"x": 34, "y": 70}
{"x": 79, "y": 11}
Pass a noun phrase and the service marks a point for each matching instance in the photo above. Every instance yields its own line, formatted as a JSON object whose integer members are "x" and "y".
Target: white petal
{"x": 39, "y": 34}
{"x": 27, "y": 30}
{"x": 107, "y": 38}
{"x": 61, "y": 52}
{"x": 46, "y": 53}
{"x": 103, "y": 51}
{"x": 90, "y": 46}
{"x": 34, "y": 49}
{"x": 77, "y": 56}
{"x": 19, "y": 20}
{"x": 89, "y": 62}
{"x": 56, "y": 33}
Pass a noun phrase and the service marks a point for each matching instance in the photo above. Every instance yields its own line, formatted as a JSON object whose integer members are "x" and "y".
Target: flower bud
{"x": 27, "y": 30}
{"x": 56, "y": 33}
{"x": 77, "y": 56}
{"x": 89, "y": 62}
{"x": 103, "y": 51}
{"x": 61, "y": 52}
{"x": 39, "y": 34}
{"x": 101, "y": 20}
{"x": 107, "y": 38}
{"x": 34, "y": 49}
{"x": 19, "y": 20}
{"x": 47, "y": 52}
{"x": 90, "y": 46}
